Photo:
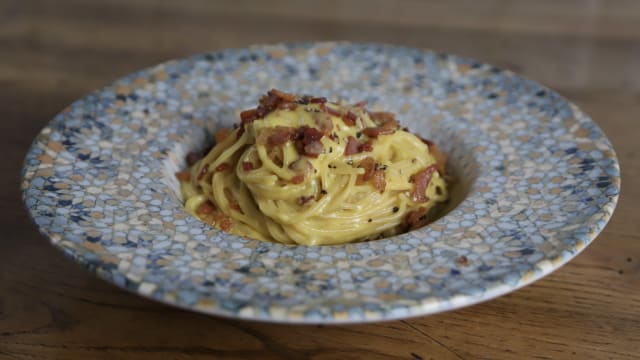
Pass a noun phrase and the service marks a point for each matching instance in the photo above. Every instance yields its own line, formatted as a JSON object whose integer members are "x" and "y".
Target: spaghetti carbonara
{"x": 302, "y": 170}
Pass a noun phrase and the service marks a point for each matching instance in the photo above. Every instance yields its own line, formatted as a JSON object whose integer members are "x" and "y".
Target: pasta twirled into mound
{"x": 302, "y": 170}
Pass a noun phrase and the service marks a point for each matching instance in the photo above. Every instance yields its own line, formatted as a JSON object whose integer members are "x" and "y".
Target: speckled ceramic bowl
{"x": 538, "y": 181}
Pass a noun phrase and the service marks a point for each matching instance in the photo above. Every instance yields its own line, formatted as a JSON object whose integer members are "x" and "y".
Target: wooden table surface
{"x": 52, "y": 52}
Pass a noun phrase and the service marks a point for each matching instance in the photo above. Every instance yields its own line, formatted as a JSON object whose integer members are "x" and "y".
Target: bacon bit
{"x": 203, "y": 172}
{"x": 311, "y": 135}
{"x": 372, "y": 174}
{"x": 416, "y": 218}
{"x": 280, "y": 135}
{"x": 333, "y": 111}
{"x": 387, "y": 128}
{"x": 268, "y": 103}
{"x": 380, "y": 117}
{"x": 247, "y": 166}
{"x": 324, "y": 123}
{"x": 224, "y": 222}
{"x": 305, "y": 199}
{"x": 330, "y": 110}
{"x": 222, "y": 135}
{"x": 297, "y": 142}
{"x": 183, "y": 176}
{"x": 274, "y": 99}
{"x": 318, "y": 100}
{"x": 297, "y": 179}
{"x": 391, "y": 124}
{"x": 313, "y": 149}
{"x": 193, "y": 158}
{"x": 373, "y": 132}
{"x": 361, "y": 104}
{"x": 368, "y": 164}
{"x": 274, "y": 136}
{"x": 206, "y": 208}
{"x": 283, "y": 95}
{"x": 366, "y": 147}
{"x": 352, "y": 146}
{"x": 307, "y": 141}
{"x": 209, "y": 219}
{"x": 378, "y": 180}
{"x": 233, "y": 204}
{"x": 349, "y": 118}
{"x": 248, "y": 116}
{"x": 421, "y": 180}
{"x": 223, "y": 167}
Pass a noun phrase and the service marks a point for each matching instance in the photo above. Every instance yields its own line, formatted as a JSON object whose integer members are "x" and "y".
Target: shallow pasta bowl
{"x": 537, "y": 182}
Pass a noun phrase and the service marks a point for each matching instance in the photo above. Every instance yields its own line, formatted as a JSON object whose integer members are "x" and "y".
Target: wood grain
{"x": 53, "y": 52}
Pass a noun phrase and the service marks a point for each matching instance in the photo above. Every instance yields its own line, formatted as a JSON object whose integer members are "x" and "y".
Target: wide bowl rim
{"x": 497, "y": 289}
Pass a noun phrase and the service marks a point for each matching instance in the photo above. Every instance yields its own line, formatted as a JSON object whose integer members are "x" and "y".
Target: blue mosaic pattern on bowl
{"x": 538, "y": 180}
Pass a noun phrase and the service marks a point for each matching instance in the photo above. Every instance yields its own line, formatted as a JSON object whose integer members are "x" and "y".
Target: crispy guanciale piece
{"x": 283, "y": 95}
{"x": 307, "y": 141}
{"x": 183, "y": 176}
{"x": 388, "y": 127}
{"x": 378, "y": 180}
{"x": 317, "y": 100}
{"x": 247, "y": 166}
{"x": 206, "y": 208}
{"x": 279, "y": 135}
{"x": 421, "y": 180}
{"x": 273, "y": 100}
{"x": 372, "y": 174}
{"x": 380, "y": 117}
{"x": 298, "y": 179}
{"x": 349, "y": 118}
{"x": 248, "y": 116}
{"x": 323, "y": 122}
{"x": 416, "y": 218}
{"x": 329, "y": 110}
{"x": 352, "y": 147}
{"x": 367, "y": 146}
{"x": 223, "y": 221}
